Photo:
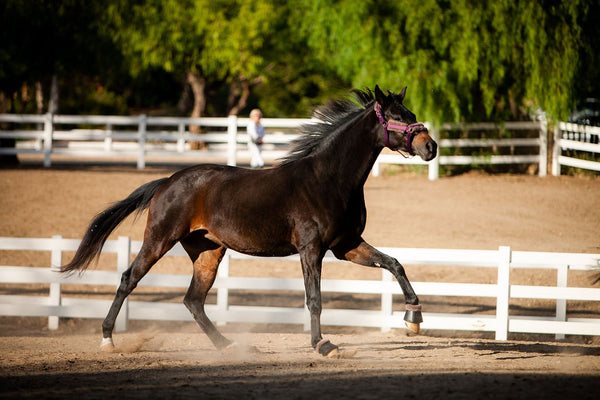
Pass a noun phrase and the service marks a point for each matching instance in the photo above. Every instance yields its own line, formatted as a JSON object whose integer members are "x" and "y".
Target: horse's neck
{"x": 351, "y": 155}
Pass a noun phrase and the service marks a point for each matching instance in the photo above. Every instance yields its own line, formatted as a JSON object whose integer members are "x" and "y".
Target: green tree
{"x": 205, "y": 40}
{"x": 295, "y": 80}
{"x": 462, "y": 60}
{"x": 45, "y": 41}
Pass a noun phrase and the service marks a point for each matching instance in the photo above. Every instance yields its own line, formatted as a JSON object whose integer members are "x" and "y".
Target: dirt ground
{"x": 472, "y": 211}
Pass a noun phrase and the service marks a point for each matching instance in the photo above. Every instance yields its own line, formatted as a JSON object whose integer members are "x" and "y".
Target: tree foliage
{"x": 462, "y": 60}
{"x": 210, "y": 40}
{"x": 40, "y": 39}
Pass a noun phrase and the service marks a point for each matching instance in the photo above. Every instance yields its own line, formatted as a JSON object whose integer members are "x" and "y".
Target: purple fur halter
{"x": 393, "y": 125}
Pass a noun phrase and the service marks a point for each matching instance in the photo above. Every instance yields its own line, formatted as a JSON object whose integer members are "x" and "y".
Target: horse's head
{"x": 400, "y": 128}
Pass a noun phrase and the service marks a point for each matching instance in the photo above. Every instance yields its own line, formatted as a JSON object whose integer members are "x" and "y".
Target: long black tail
{"x": 106, "y": 222}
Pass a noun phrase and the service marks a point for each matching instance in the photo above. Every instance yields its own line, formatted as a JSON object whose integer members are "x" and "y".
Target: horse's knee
{"x": 396, "y": 268}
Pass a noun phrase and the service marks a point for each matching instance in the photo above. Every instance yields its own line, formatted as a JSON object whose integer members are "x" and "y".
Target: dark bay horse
{"x": 311, "y": 202}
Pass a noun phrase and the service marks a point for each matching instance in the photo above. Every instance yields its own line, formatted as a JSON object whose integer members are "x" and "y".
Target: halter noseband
{"x": 410, "y": 129}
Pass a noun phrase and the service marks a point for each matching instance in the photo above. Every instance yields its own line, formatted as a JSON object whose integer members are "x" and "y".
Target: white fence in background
{"x": 56, "y": 305}
{"x": 576, "y": 137}
{"x": 142, "y": 137}
{"x": 540, "y": 142}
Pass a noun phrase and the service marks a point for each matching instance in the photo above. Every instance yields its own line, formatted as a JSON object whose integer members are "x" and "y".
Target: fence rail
{"x": 140, "y": 137}
{"x": 576, "y": 137}
{"x": 56, "y": 305}
{"x": 541, "y": 158}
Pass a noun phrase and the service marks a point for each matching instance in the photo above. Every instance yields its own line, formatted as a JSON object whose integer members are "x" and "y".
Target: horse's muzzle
{"x": 425, "y": 147}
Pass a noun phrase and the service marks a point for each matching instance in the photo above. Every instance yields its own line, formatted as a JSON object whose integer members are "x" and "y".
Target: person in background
{"x": 256, "y": 132}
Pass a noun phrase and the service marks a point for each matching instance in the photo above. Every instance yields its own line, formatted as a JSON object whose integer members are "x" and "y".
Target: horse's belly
{"x": 252, "y": 246}
{"x": 251, "y": 216}
{"x": 259, "y": 237}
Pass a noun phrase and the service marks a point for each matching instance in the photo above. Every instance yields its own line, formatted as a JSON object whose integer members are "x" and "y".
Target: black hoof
{"x": 413, "y": 316}
{"x": 325, "y": 347}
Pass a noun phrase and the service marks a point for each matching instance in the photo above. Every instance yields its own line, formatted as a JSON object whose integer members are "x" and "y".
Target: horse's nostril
{"x": 432, "y": 147}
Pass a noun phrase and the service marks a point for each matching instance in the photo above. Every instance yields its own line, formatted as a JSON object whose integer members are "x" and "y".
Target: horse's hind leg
{"x": 149, "y": 254}
{"x": 206, "y": 262}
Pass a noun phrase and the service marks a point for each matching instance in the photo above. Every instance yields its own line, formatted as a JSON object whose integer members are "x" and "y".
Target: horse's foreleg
{"x": 311, "y": 268}
{"x": 205, "y": 271}
{"x": 365, "y": 254}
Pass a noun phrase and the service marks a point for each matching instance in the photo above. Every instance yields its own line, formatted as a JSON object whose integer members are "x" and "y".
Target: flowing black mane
{"x": 328, "y": 120}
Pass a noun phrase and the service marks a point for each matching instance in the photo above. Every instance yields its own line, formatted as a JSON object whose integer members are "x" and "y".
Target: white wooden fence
{"x": 150, "y": 136}
{"x": 576, "y": 137}
{"x": 541, "y": 158}
{"x": 55, "y": 305}
{"x": 142, "y": 137}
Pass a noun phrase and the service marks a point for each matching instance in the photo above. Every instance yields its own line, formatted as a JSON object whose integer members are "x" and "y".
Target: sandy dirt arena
{"x": 166, "y": 360}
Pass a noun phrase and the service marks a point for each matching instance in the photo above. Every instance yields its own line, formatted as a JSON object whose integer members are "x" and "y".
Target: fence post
{"x": 376, "y": 168}
{"x": 386, "y": 302}
{"x": 503, "y": 293}
{"x": 141, "y": 163}
{"x": 562, "y": 274}
{"x": 433, "y": 167}
{"x": 223, "y": 293}
{"x": 556, "y": 150}
{"x": 123, "y": 253}
{"x": 180, "y": 139}
{"x": 232, "y": 140}
{"x": 543, "y": 163}
{"x": 48, "y": 132}
{"x": 55, "y": 295}
{"x": 108, "y": 138}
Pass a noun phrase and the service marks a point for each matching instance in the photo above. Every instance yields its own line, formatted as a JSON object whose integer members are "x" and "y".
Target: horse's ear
{"x": 402, "y": 94}
{"x": 380, "y": 98}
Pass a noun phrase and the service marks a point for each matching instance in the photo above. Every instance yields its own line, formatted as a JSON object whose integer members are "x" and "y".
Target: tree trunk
{"x": 39, "y": 98}
{"x": 242, "y": 89}
{"x": 6, "y": 159}
{"x": 4, "y": 103}
{"x": 197, "y": 83}
{"x": 186, "y": 99}
{"x": 53, "y": 105}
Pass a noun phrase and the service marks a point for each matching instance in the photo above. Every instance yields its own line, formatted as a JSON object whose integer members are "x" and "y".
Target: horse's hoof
{"x": 107, "y": 345}
{"x": 414, "y": 328}
{"x": 335, "y": 353}
{"x": 327, "y": 349}
{"x": 413, "y": 313}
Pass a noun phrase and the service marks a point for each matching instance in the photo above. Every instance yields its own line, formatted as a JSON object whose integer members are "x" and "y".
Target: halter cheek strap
{"x": 410, "y": 129}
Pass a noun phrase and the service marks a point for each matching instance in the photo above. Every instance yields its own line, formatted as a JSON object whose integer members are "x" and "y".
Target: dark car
{"x": 587, "y": 113}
